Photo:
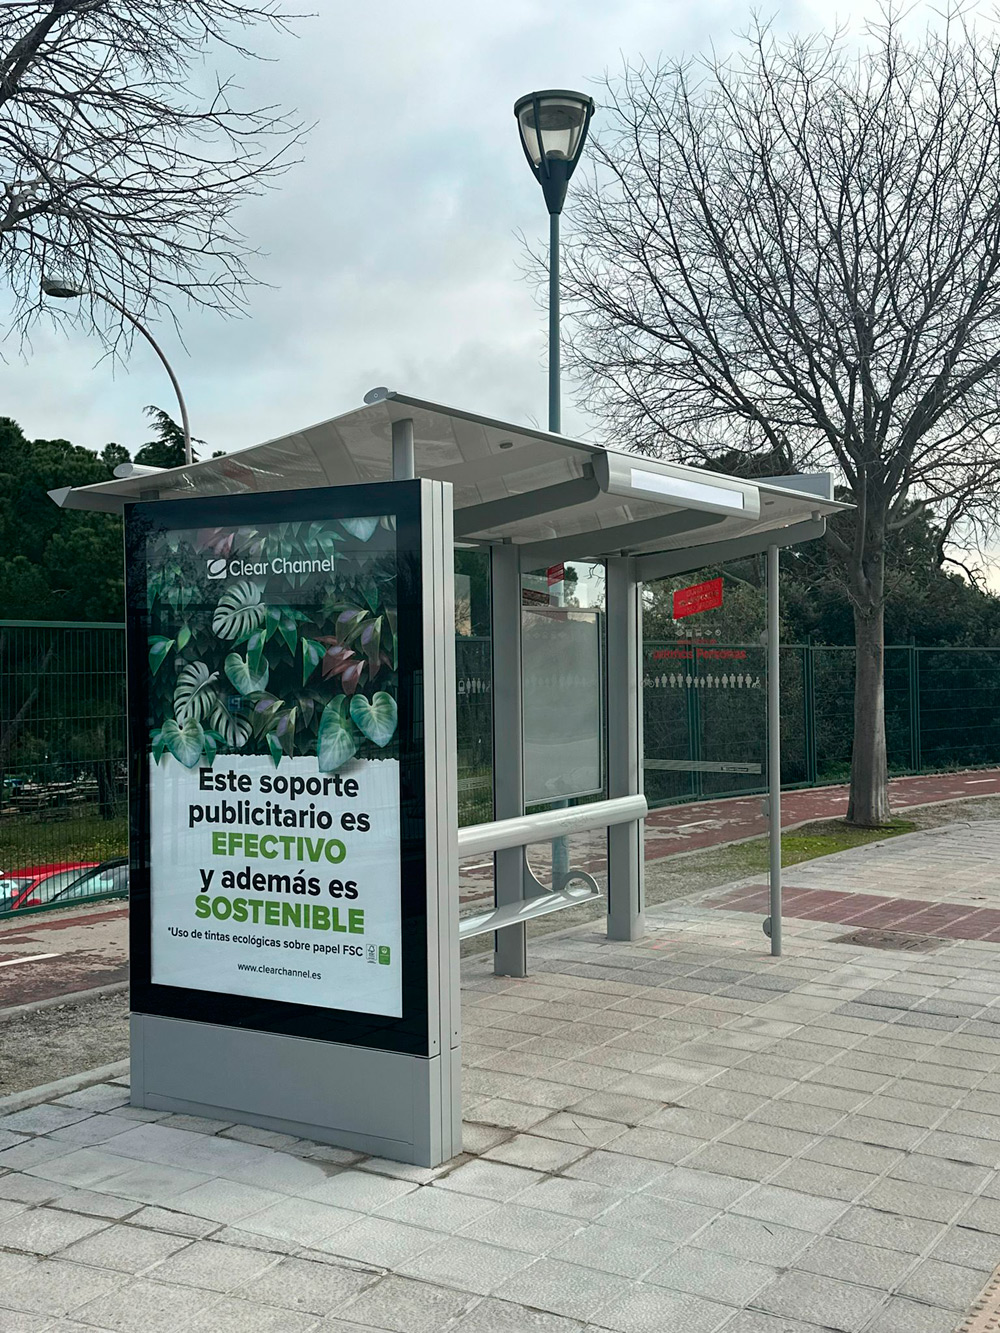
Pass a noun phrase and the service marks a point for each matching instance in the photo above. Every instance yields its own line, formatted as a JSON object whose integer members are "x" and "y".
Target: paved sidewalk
{"x": 941, "y": 882}
{"x": 680, "y": 1134}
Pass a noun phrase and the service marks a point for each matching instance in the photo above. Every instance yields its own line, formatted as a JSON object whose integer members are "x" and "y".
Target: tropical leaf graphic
{"x": 243, "y": 678}
{"x": 376, "y": 719}
{"x": 301, "y": 663}
{"x": 194, "y": 693}
{"x": 159, "y": 647}
{"x": 312, "y": 655}
{"x": 362, "y": 528}
{"x": 240, "y": 610}
{"x": 337, "y": 741}
{"x": 234, "y": 728}
{"x": 184, "y": 743}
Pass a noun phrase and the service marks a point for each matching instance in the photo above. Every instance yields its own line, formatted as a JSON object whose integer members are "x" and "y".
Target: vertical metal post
{"x": 555, "y": 401}
{"x": 913, "y": 683}
{"x": 626, "y": 863}
{"x": 774, "y": 749}
{"x": 560, "y": 846}
{"x": 694, "y": 726}
{"x": 916, "y": 704}
{"x": 809, "y": 710}
{"x": 403, "y": 465}
{"x": 510, "y": 954}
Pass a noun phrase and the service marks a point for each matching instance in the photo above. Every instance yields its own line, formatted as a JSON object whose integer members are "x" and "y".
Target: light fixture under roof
{"x": 617, "y": 474}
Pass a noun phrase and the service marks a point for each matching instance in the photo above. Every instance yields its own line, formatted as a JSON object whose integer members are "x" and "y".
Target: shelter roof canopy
{"x": 559, "y": 498}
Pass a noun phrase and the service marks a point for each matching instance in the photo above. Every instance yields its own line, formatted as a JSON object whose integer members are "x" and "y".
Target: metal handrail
{"x": 526, "y": 829}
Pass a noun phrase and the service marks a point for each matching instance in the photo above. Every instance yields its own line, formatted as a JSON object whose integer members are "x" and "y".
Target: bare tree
{"x": 117, "y": 175}
{"x": 796, "y": 250}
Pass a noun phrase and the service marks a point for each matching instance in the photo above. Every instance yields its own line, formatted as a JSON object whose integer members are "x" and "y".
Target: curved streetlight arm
{"x": 188, "y": 453}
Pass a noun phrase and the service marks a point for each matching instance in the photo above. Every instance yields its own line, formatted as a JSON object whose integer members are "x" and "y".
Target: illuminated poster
{"x": 273, "y": 761}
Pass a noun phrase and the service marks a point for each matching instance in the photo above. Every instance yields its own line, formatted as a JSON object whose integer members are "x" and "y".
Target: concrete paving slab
{"x": 691, "y": 1119}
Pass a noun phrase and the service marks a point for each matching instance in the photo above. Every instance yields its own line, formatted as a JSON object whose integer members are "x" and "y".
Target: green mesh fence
{"x": 62, "y": 755}
{"x": 63, "y": 741}
{"x": 704, "y": 715}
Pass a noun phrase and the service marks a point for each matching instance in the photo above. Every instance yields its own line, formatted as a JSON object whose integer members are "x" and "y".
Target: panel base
{"x": 403, "y": 1107}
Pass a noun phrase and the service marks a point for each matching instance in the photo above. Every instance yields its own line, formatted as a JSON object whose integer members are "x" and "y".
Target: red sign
{"x": 699, "y": 597}
{"x": 556, "y": 574}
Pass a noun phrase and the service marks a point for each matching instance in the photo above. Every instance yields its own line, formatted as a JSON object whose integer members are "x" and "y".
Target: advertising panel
{"x": 277, "y": 675}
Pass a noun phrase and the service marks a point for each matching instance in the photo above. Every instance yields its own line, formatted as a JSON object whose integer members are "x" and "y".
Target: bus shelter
{"x": 337, "y": 1017}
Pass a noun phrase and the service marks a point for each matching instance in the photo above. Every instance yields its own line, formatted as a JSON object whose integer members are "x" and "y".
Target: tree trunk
{"x": 10, "y": 728}
{"x": 869, "y": 799}
{"x": 105, "y": 788}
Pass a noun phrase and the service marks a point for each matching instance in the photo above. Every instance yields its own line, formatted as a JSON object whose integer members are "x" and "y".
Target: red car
{"x": 32, "y": 886}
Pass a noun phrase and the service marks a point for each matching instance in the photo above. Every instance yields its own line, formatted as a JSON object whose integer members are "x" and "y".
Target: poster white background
{"x": 182, "y": 952}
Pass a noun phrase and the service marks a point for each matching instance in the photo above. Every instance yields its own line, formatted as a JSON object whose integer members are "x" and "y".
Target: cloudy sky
{"x": 392, "y": 250}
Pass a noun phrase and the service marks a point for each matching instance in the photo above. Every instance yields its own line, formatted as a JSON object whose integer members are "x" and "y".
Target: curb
{"x": 18, "y": 1101}
{"x": 72, "y": 997}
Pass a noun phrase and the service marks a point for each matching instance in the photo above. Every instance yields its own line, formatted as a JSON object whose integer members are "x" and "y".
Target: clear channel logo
{"x": 220, "y": 567}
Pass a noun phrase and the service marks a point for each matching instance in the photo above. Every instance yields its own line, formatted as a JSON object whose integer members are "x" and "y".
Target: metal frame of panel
{"x": 389, "y": 1087}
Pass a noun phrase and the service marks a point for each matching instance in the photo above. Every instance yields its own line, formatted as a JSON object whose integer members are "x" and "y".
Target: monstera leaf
{"x": 376, "y": 719}
{"x": 185, "y": 743}
{"x": 337, "y": 740}
{"x": 243, "y": 677}
{"x": 194, "y": 693}
{"x": 233, "y": 727}
{"x": 362, "y": 528}
{"x": 240, "y": 610}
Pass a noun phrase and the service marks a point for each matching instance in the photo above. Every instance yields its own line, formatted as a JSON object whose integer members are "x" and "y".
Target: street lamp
{"x": 66, "y": 291}
{"x": 553, "y": 126}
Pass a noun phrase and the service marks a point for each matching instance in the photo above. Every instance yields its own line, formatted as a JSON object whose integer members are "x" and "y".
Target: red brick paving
{"x": 913, "y": 916}
{"x": 686, "y": 828}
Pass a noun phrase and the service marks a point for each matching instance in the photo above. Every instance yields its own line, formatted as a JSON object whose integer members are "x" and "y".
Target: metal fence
{"x": 63, "y": 743}
{"x": 704, "y": 715}
{"x": 62, "y": 746}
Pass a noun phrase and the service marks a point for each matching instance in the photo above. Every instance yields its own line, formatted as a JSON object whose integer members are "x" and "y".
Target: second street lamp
{"x": 61, "y": 290}
{"x": 553, "y": 126}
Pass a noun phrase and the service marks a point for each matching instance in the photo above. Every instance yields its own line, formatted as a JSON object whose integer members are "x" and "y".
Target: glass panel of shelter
{"x": 564, "y": 640}
{"x": 704, "y": 687}
{"x": 564, "y": 654}
{"x": 474, "y": 728}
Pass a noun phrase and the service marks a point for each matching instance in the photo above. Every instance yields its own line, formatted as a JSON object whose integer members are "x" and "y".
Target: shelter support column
{"x": 403, "y": 466}
{"x": 510, "y": 952}
{"x": 773, "y": 751}
{"x": 626, "y": 862}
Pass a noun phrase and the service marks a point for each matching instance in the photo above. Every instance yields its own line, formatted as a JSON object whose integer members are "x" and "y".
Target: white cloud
{"x": 392, "y": 251}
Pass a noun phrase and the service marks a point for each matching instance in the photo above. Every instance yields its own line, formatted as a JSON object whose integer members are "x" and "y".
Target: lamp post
{"x": 64, "y": 291}
{"x": 553, "y": 126}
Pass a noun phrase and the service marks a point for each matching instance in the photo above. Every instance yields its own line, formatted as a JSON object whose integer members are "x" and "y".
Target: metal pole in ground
{"x": 560, "y": 846}
{"x": 774, "y": 751}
